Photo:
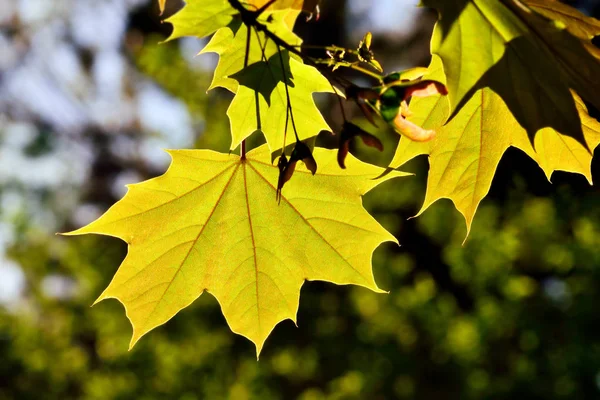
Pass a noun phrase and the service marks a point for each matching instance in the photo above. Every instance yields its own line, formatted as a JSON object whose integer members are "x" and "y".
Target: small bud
{"x": 365, "y": 54}
{"x": 364, "y": 48}
{"x": 286, "y": 170}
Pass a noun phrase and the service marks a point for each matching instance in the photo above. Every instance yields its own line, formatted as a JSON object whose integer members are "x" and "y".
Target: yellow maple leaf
{"x": 466, "y": 151}
{"x": 211, "y": 223}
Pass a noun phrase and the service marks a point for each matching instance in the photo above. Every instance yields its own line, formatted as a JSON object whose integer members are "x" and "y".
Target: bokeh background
{"x": 88, "y": 100}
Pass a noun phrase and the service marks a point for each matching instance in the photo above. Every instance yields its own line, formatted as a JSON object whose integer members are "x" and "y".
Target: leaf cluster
{"x": 503, "y": 73}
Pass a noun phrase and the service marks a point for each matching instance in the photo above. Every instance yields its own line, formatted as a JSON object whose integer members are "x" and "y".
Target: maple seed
{"x": 286, "y": 170}
{"x": 302, "y": 153}
{"x": 316, "y": 14}
{"x": 349, "y": 131}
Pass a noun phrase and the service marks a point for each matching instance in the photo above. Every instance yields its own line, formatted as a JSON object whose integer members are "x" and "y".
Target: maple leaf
{"x": 211, "y": 223}
{"x": 478, "y": 38}
{"x": 260, "y": 101}
{"x": 567, "y": 34}
{"x": 466, "y": 151}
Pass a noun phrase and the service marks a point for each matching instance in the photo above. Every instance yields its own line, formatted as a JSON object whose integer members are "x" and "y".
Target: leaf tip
{"x": 98, "y": 300}
{"x": 131, "y": 344}
{"x": 469, "y": 223}
{"x": 76, "y": 232}
{"x": 136, "y": 336}
{"x": 259, "y": 347}
{"x": 378, "y": 290}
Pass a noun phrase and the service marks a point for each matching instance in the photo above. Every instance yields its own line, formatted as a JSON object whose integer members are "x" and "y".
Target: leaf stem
{"x": 287, "y": 94}
{"x": 246, "y": 57}
{"x": 326, "y": 48}
{"x": 349, "y": 65}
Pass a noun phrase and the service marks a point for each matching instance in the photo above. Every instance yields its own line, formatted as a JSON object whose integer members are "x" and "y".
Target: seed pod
{"x": 286, "y": 170}
{"x": 302, "y": 153}
{"x": 349, "y": 132}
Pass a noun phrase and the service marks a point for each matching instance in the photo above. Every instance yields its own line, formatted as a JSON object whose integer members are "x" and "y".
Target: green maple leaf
{"x": 466, "y": 151}
{"x": 479, "y": 39}
{"x": 211, "y": 223}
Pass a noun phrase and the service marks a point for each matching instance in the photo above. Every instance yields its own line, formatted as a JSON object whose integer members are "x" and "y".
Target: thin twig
{"x": 264, "y": 58}
{"x": 287, "y": 94}
{"x": 250, "y": 18}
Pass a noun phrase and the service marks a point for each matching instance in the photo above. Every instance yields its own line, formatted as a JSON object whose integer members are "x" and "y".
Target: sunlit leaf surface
{"x": 466, "y": 151}
{"x": 211, "y": 223}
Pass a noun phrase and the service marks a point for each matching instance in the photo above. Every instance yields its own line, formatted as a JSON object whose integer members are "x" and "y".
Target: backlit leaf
{"x": 211, "y": 223}
{"x": 497, "y": 44}
{"x": 466, "y": 151}
{"x": 567, "y": 35}
{"x": 261, "y": 102}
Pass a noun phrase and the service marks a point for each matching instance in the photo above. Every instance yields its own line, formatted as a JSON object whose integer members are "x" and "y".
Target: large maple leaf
{"x": 211, "y": 223}
{"x": 465, "y": 152}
